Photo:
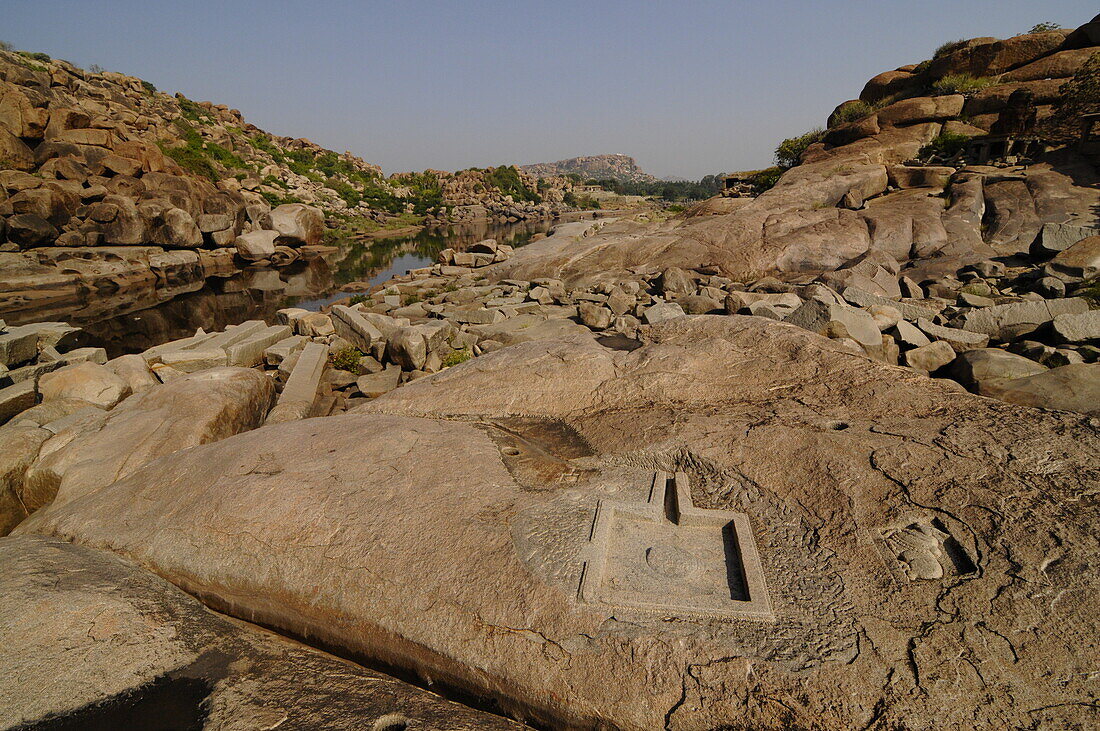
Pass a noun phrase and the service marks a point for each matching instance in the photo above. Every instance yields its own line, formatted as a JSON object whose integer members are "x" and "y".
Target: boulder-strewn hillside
{"x": 896, "y": 178}
{"x": 598, "y": 167}
{"x": 91, "y": 162}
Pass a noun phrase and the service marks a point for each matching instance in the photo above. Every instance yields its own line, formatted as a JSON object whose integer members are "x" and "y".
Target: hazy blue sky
{"x": 688, "y": 88}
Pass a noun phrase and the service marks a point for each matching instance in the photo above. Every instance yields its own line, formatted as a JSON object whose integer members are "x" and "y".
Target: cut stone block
{"x": 1077, "y": 328}
{"x": 930, "y": 357}
{"x": 16, "y": 398}
{"x": 909, "y": 310}
{"x": 662, "y": 311}
{"x": 960, "y": 340}
{"x": 281, "y": 350}
{"x": 351, "y": 325}
{"x": 153, "y": 354}
{"x": 993, "y": 320}
{"x": 234, "y": 334}
{"x": 669, "y": 557}
{"x": 190, "y": 361}
{"x": 1055, "y": 237}
{"x": 300, "y": 393}
{"x": 249, "y": 353}
{"x": 377, "y": 384}
{"x": 837, "y": 321}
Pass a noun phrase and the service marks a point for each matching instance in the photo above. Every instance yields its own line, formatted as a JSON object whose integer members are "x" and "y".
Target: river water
{"x": 257, "y": 293}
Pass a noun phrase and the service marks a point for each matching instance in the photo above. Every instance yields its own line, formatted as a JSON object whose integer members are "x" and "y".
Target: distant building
{"x": 740, "y": 185}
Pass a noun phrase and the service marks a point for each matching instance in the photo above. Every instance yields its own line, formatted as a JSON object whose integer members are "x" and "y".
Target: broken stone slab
{"x": 763, "y": 309}
{"x": 1082, "y": 259}
{"x": 18, "y": 345}
{"x": 351, "y": 325}
{"x": 979, "y": 369}
{"x": 23, "y": 343}
{"x": 909, "y": 335}
{"x": 231, "y": 335}
{"x": 998, "y": 320}
{"x": 315, "y": 324}
{"x": 736, "y": 301}
{"x": 290, "y": 316}
{"x": 280, "y": 351}
{"x": 300, "y": 392}
{"x": 286, "y": 367}
{"x": 477, "y": 315}
{"x": 661, "y": 312}
{"x": 376, "y": 384}
{"x": 91, "y": 382}
{"x": 909, "y": 310}
{"x": 960, "y": 340}
{"x": 50, "y": 360}
{"x": 1077, "y": 328}
{"x": 153, "y": 354}
{"x": 1056, "y": 237}
{"x": 249, "y": 352}
{"x": 193, "y": 360}
{"x": 1073, "y": 387}
{"x": 930, "y": 357}
{"x": 837, "y": 321}
{"x": 16, "y": 398}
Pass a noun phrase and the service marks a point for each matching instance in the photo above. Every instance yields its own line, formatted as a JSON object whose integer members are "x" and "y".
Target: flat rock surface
{"x": 895, "y": 553}
{"x": 97, "y": 642}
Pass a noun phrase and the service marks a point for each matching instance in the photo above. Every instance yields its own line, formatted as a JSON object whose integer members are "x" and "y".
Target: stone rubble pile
{"x": 1030, "y": 325}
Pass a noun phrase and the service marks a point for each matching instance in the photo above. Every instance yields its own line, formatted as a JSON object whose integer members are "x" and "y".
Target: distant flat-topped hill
{"x": 599, "y": 167}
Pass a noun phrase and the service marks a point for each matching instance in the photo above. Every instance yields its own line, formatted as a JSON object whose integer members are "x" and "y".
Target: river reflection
{"x": 145, "y": 319}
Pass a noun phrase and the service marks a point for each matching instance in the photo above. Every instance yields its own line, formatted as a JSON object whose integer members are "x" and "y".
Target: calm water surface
{"x": 134, "y": 321}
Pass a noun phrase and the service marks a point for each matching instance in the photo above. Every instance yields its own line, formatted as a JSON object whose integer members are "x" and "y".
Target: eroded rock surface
{"x": 925, "y": 551}
{"x": 96, "y": 641}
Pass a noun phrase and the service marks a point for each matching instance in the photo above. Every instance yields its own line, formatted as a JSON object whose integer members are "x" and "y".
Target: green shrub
{"x": 192, "y": 111}
{"x": 148, "y": 86}
{"x": 580, "y": 202}
{"x": 945, "y": 144}
{"x": 961, "y": 84}
{"x": 789, "y": 152}
{"x": 347, "y": 359}
{"x": 193, "y": 160}
{"x": 1090, "y": 291}
{"x": 1044, "y": 27}
{"x": 949, "y": 47}
{"x": 357, "y": 299}
{"x": 36, "y": 56}
{"x": 766, "y": 179}
{"x": 457, "y": 356}
{"x": 851, "y": 112}
{"x": 506, "y": 179}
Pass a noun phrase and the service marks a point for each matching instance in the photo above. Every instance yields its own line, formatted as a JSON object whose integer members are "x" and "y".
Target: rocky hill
{"x": 63, "y": 123}
{"x": 92, "y": 161}
{"x": 593, "y": 167}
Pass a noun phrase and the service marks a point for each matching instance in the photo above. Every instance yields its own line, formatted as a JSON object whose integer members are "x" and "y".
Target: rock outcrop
{"x": 593, "y": 167}
{"x": 880, "y": 183}
{"x": 97, "y": 642}
{"x": 895, "y": 552}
